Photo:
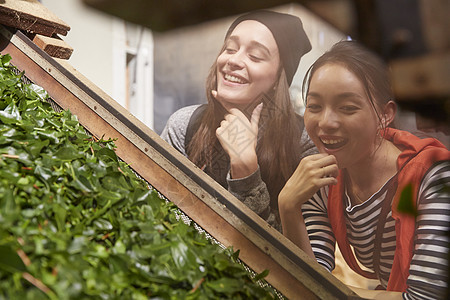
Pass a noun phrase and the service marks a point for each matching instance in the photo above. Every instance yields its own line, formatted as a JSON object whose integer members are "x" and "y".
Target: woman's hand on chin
{"x": 238, "y": 136}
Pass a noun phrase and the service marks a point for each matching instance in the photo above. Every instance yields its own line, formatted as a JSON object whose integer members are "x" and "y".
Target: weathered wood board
{"x": 53, "y": 46}
{"x": 31, "y": 16}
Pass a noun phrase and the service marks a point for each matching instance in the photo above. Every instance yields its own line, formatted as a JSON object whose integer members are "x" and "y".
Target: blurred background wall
{"x": 152, "y": 74}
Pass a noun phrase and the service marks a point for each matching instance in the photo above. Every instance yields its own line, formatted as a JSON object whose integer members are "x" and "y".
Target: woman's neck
{"x": 363, "y": 180}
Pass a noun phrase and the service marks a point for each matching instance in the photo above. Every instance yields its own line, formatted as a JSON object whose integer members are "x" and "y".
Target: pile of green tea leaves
{"x": 77, "y": 223}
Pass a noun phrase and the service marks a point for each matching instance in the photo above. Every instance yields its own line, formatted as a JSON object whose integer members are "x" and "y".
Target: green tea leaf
{"x": 10, "y": 261}
{"x": 225, "y": 285}
{"x": 406, "y": 202}
{"x": 10, "y": 115}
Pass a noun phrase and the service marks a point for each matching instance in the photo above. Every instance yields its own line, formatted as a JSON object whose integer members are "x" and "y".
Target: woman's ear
{"x": 390, "y": 109}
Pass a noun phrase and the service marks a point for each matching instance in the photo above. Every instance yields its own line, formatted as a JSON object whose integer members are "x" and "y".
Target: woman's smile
{"x": 333, "y": 143}
{"x": 234, "y": 78}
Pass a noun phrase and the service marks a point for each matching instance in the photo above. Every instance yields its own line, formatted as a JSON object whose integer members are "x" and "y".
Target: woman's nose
{"x": 328, "y": 119}
{"x": 236, "y": 60}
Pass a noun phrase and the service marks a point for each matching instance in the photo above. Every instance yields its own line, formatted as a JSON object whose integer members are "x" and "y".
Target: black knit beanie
{"x": 289, "y": 35}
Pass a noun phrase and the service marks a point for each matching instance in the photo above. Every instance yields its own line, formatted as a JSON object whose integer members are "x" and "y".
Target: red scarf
{"x": 417, "y": 156}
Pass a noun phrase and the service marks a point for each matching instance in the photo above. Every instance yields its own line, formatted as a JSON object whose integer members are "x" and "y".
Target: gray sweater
{"x": 251, "y": 190}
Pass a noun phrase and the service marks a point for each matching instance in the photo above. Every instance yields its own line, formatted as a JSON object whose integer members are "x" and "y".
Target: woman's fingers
{"x": 313, "y": 172}
{"x": 330, "y": 171}
{"x": 325, "y": 168}
{"x": 236, "y": 135}
{"x": 255, "y": 117}
{"x": 327, "y": 164}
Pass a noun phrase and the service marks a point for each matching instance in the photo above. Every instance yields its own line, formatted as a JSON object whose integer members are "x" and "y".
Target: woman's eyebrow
{"x": 254, "y": 44}
{"x": 259, "y": 45}
{"x": 313, "y": 94}
{"x": 346, "y": 95}
{"x": 233, "y": 38}
{"x": 341, "y": 96}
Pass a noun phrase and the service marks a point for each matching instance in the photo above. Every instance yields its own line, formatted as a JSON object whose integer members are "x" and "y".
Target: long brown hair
{"x": 280, "y": 130}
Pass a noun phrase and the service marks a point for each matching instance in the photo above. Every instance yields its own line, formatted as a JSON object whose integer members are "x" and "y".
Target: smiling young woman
{"x": 235, "y": 138}
{"x": 349, "y": 192}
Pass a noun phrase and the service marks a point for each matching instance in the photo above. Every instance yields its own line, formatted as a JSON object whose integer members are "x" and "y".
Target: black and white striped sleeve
{"x": 319, "y": 230}
{"x": 429, "y": 266}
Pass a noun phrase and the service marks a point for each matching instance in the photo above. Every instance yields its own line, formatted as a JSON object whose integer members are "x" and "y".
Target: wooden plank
{"x": 419, "y": 78}
{"x": 31, "y": 16}
{"x": 53, "y": 46}
{"x": 201, "y": 198}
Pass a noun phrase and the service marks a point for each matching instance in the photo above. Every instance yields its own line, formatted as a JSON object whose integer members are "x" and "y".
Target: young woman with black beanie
{"x": 248, "y": 137}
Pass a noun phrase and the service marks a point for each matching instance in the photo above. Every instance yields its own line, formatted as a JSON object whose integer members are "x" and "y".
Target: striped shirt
{"x": 429, "y": 265}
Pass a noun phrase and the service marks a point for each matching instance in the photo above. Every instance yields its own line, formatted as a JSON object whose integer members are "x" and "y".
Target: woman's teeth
{"x": 233, "y": 78}
{"x": 333, "y": 143}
